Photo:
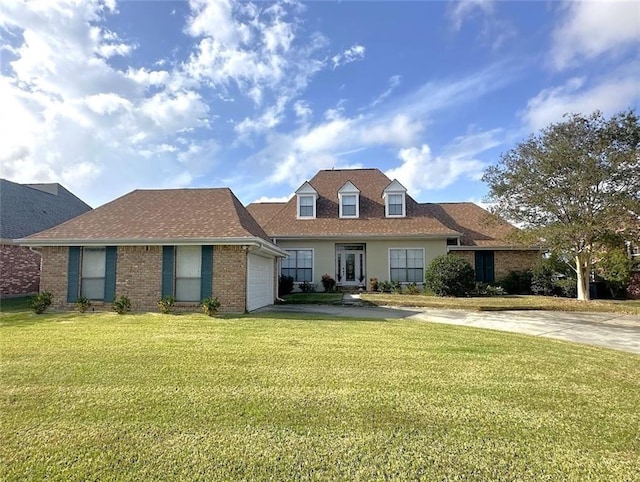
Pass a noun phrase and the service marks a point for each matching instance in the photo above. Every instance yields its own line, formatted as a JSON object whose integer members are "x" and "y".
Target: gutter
{"x": 260, "y": 245}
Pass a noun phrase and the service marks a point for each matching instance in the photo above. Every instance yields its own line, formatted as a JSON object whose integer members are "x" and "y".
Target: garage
{"x": 260, "y": 273}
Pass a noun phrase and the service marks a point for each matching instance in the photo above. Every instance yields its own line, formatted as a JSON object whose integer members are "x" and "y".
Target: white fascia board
{"x": 492, "y": 248}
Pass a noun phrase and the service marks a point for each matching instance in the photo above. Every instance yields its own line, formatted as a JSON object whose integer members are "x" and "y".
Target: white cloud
{"x": 302, "y": 110}
{"x": 494, "y": 31}
{"x": 353, "y": 53}
{"x": 464, "y": 9}
{"x": 394, "y": 82}
{"x": 609, "y": 95}
{"x": 593, "y": 28}
{"x": 267, "y": 199}
{"x": 420, "y": 170}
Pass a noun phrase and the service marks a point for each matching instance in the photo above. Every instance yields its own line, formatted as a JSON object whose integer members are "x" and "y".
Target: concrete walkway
{"x": 609, "y": 330}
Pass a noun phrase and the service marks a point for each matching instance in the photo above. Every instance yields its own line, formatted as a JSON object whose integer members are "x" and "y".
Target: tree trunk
{"x": 583, "y": 269}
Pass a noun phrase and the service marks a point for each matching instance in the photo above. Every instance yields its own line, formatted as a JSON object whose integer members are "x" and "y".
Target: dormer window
{"x": 307, "y": 199}
{"x": 395, "y": 200}
{"x": 349, "y": 197}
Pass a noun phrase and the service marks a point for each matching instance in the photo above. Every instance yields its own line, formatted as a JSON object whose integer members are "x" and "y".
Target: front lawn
{"x": 155, "y": 397}
{"x": 313, "y": 298}
{"x": 503, "y": 303}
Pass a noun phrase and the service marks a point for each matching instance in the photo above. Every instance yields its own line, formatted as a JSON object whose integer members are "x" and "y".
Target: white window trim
{"x": 357, "y": 196}
{"x": 386, "y": 204}
{"x": 315, "y": 202}
{"x": 405, "y": 248}
{"x": 313, "y": 263}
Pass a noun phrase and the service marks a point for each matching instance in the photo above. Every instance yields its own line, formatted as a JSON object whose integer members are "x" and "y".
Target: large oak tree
{"x": 573, "y": 187}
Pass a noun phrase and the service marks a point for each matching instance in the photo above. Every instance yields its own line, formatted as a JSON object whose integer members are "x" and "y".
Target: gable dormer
{"x": 349, "y": 200}
{"x": 307, "y": 198}
{"x": 395, "y": 200}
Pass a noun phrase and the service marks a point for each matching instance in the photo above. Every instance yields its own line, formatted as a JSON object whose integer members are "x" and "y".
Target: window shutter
{"x": 73, "y": 274}
{"x": 206, "y": 273}
{"x": 167, "y": 270}
{"x": 110, "y": 273}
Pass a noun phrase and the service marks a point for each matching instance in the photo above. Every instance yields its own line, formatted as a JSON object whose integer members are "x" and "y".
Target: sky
{"x": 109, "y": 96}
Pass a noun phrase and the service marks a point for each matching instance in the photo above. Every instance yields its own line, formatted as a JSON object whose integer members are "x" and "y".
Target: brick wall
{"x": 139, "y": 277}
{"x": 53, "y": 278}
{"x": 230, "y": 278}
{"x": 633, "y": 290}
{"x": 504, "y": 261}
{"x": 19, "y": 270}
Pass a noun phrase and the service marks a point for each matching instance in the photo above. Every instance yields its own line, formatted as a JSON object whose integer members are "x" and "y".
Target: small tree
{"x": 450, "y": 275}
{"x": 573, "y": 186}
{"x": 616, "y": 268}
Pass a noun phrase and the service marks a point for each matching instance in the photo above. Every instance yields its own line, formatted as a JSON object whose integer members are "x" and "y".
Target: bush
{"x": 396, "y": 287}
{"x": 543, "y": 279}
{"x": 616, "y": 268}
{"x": 40, "y": 302}
{"x": 165, "y": 304}
{"x": 373, "y": 284}
{"x": 568, "y": 288}
{"x": 386, "y": 286}
{"x": 83, "y": 304}
{"x": 450, "y": 275}
{"x": 210, "y": 306}
{"x": 306, "y": 287}
{"x": 285, "y": 285}
{"x": 517, "y": 282}
{"x": 328, "y": 283}
{"x": 122, "y": 305}
{"x": 413, "y": 289}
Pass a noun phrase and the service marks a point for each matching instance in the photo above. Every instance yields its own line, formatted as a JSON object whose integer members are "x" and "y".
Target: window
{"x": 299, "y": 265}
{"x": 452, "y": 241}
{"x": 407, "y": 265}
{"x": 306, "y": 206}
{"x": 348, "y": 205}
{"x": 188, "y": 273}
{"x": 395, "y": 205}
{"x": 93, "y": 273}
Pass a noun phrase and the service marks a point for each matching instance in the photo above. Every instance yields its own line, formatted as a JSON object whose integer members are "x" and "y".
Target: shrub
{"x": 543, "y": 279}
{"x": 122, "y": 305}
{"x": 373, "y": 284}
{"x": 285, "y": 285}
{"x": 210, "y": 306}
{"x": 449, "y": 275}
{"x": 386, "y": 286}
{"x": 165, "y": 304}
{"x": 517, "y": 282}
{"x": 40, "y": 302}
{"x": 567, "y": 288}
{"x": 306, "y": 287}
{"x": 616, "y": 268}
{"x": 328, "y": 283}
{"x": 413, "y": 289}
{"x": 396, "y": 287}
{"x": 83, "y": 304}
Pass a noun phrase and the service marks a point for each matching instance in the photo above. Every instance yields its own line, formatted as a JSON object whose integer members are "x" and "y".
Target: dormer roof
{"x": 348, "y": 188}
{"x": 395, "y": 187}
{"x": 306, "y": 188}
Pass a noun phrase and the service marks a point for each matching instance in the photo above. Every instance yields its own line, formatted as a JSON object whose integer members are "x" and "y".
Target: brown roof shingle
{"x": 168, "y": 214}
{"x": 265, "y": 212}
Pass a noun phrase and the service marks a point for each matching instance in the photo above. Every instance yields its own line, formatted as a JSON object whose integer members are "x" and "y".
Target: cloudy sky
{"x": 106, "y": 97}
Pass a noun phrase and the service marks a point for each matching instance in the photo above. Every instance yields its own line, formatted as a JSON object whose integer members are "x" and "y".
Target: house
{"x": 192, "y": 243}
{"x": 27, "y": 209}
{"x": 358, "y": 224}
{"x": 186, "y": 243}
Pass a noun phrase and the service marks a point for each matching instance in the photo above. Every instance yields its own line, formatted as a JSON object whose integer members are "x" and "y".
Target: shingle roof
{"x": 29, "y": 208}
{"x": 372, "y": 221}
{"x": 170, "y": 214}
{"x": 476, "y": 226}
{"x": 264, "y": 212}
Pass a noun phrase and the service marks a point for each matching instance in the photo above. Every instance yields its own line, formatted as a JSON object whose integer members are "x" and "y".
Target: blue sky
{"x": 106, "y": 97}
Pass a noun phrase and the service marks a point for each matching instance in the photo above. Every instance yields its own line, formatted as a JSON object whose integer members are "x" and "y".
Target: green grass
{"x": 502, "y": 303}
{"x": 15, "y": 304}
{"x": 313, "y": 298}
{"x": 185, "y": 397}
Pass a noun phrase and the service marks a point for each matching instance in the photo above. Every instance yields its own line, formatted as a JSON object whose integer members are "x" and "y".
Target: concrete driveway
{"x": 609, "y": 330}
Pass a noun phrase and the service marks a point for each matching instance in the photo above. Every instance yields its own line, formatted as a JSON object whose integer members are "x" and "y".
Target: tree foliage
{"x": 450, "y": 275}
{"x": 574, "y": 186}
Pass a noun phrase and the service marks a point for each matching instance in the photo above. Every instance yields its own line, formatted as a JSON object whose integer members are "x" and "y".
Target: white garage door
{"x": 259, "y": 282}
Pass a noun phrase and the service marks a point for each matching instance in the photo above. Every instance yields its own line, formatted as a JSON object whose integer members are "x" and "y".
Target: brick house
{"x": 192, "y": 243}
{"x": 27, "y": 209}
{"x": 357, "y": 224}
{"x": 185, "y": 243}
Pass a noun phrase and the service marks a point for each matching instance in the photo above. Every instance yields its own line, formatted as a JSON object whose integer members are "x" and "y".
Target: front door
{"x": 350, "y": 265}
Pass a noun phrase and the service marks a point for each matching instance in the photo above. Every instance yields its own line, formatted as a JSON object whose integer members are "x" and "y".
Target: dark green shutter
{"x": 73, "y": 274}
{"x": 110, "y": 273}
{"x": 206, "y": 272}
{"x": 485, "y": 266}
{"x": 168, "y": 260}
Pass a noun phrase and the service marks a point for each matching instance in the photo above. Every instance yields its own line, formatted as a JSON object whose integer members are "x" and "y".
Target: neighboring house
{"x": 185, "y": 243}
{"x": 27, "y": 209}
{"x": 358, "y": 224}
